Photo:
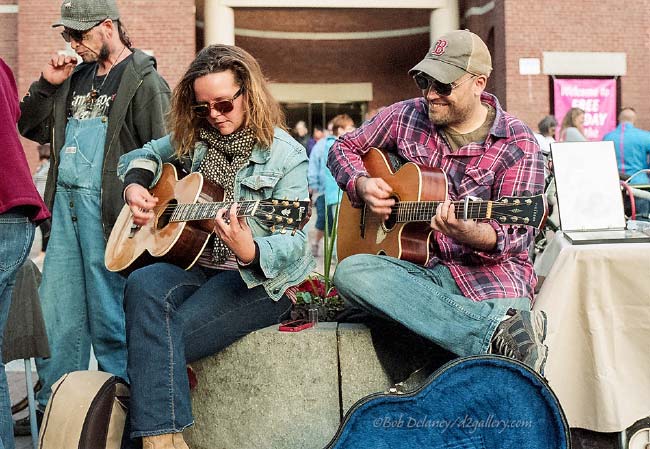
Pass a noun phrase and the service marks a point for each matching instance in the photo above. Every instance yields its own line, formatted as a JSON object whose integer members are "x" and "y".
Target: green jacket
{"x": 136, "y": 117}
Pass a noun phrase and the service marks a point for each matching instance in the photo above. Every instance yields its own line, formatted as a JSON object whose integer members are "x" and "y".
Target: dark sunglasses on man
{"x": 425, "y": 82}
{"x": 70, "y": 35}
{"x": 203, "y": 109}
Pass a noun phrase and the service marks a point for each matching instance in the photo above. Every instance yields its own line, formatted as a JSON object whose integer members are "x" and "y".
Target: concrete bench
{"x": 282, "y": 390}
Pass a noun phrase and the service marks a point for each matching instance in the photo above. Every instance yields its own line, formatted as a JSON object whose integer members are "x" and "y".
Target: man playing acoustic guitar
{"x": 474, "y": 294}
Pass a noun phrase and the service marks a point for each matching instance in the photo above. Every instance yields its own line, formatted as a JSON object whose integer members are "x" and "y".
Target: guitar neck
{"x": 413, "y": 211}
{"x": 206, "y": 211}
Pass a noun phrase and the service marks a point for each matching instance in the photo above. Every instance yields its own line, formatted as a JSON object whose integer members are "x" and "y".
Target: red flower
{"x": 317, "y": 288}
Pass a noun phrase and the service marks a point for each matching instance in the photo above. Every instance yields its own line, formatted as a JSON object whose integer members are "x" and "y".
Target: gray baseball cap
{"x": 82, "y": 15}
{"x": 454, "y": 54}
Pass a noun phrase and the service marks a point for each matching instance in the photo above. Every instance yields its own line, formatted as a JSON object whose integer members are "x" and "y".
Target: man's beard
{"x": 454, "y": 114}
{"x": 104, "y": 54}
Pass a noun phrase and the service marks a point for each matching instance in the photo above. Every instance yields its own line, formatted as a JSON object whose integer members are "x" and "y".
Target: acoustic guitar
{"x": 417, "y": 192}
{"x": 183, "y": 222}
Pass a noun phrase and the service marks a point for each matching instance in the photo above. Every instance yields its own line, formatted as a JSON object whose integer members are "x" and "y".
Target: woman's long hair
{"x": 263, "y": 112}
{"x": 569, "y": 121}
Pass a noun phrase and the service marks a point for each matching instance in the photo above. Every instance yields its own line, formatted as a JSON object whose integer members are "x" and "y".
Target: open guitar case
{"x": 479, "y": 402}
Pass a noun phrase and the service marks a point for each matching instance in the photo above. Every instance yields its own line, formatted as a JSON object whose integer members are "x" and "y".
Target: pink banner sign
{"x": 597, "y": 97}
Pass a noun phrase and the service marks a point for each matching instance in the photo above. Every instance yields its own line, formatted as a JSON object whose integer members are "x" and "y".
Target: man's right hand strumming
{"x": 376, "y": 193}
{"x": 59, "y": 69}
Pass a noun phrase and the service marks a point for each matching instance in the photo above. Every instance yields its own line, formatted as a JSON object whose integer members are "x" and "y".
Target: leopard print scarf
{"x": 225, "y": 156}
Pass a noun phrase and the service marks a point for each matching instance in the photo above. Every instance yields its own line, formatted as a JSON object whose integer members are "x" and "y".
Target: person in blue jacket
{"x": 226, "y": 125}
{"x": 632, "y": 155}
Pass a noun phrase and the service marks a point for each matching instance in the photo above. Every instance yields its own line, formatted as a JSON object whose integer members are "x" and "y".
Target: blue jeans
{"x": 16, "y": 236}
{"x": 82, "y": 301}
{"x": 174, "y": 317}
{"x": 642, "y": 206}
{"x": 425, "y": 300}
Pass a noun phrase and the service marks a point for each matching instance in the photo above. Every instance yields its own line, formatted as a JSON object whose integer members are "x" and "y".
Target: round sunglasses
{"x": 425, "y": 82}
{"x": 203, "y": 109}
{"x": 70, "y": 35}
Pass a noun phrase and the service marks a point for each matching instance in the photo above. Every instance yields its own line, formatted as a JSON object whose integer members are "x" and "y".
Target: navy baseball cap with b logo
{"x": 454, "y": 54}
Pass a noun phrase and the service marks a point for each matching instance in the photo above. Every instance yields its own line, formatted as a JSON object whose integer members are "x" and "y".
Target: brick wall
{"x": 588, "y": 25}
{"x": 383, "y": 62}
{"x": 526, "y": 28}
{"x": 168, "y": 30}
{"x": 8, "y": 36}
{"x": 491, "y": 28}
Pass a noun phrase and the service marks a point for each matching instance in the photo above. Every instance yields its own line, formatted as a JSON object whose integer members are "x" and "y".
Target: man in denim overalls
{"x": 91, "y": 114}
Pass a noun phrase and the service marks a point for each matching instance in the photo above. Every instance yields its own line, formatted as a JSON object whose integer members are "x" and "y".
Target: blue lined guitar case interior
{"x": 479, "y": 402}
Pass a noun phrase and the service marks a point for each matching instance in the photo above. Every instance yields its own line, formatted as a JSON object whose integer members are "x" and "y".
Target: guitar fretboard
{"x": 205, "y": 211}
{"x": 407, "y": 211}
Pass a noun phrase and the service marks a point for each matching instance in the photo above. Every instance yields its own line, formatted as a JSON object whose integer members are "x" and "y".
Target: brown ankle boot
{"x": 165, "y": 441}
{"x": 179, "y": 442}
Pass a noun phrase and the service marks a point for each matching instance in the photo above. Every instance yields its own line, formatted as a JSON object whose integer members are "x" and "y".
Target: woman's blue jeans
{"x": 16, "y": 235}
{"x": 425, "y": 300}
{"x": 174, "y": 317}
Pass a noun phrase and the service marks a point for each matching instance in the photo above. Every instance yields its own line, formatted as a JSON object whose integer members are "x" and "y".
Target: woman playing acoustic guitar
{"x": 226, "y": 125}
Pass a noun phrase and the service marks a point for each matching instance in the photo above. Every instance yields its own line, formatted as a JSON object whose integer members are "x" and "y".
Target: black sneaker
{"x": 22, "y": 428}
{"x": 521, "y": 337}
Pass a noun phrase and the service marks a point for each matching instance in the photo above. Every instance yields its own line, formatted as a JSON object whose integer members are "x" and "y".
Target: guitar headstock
{"x": 284, "y": 214}
{"x": 525, "y": 210}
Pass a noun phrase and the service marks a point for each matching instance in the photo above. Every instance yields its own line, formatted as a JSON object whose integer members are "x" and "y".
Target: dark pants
{"x": 174, "y": 317}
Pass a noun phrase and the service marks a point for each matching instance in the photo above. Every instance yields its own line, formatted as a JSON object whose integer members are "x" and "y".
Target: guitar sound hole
{"x": 392, "y": 218}
{"x": 166, "y": 215}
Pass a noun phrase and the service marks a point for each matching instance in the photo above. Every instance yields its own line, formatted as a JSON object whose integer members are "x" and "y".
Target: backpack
{"x": 87, "y": 410}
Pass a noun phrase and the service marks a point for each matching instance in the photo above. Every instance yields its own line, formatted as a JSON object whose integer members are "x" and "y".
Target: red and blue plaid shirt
{"x": 508, "y": 163}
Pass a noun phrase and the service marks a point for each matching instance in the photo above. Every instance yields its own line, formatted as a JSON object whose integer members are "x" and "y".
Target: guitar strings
{"x": 202, "y": 209}
{"x": 422, "y": 211}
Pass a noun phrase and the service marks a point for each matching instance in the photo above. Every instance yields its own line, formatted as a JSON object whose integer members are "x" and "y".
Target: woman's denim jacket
{"x": 280, "y": 173}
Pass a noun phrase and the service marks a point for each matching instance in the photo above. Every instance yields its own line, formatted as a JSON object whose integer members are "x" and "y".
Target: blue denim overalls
{"x": 82, "y": 301}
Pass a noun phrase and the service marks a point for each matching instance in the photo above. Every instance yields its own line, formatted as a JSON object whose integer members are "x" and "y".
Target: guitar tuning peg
{"x": 283, "y": 230}
{"x": 522, "y": 230}
{"x": 275, "y": 202}
{"x": 510, "y": 230}
{"x": 269, "y": 217}
{"x": 294, "y": 232}
{"x": 278, "y": 219}
{"x": 289, "y": 220}
{"x": 273, "y": 228}
{"x": 285, "y": 203}
{"x": 296, "y": 204}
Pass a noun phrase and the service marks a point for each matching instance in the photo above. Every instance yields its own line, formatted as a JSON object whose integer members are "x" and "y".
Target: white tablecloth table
{"x": 597, "y": 298}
